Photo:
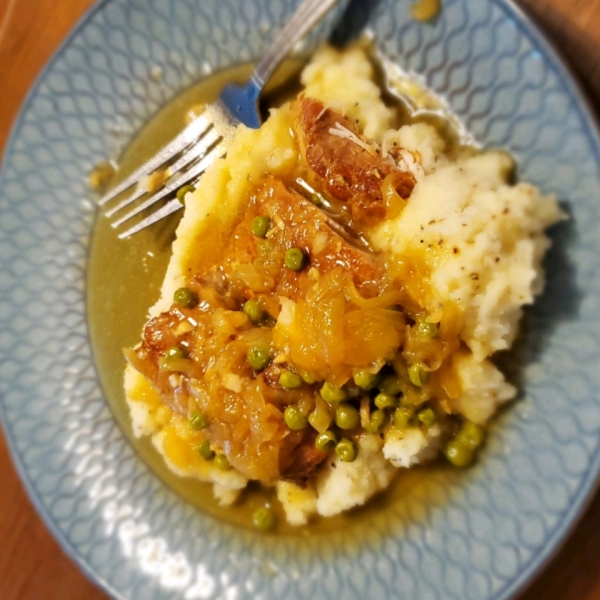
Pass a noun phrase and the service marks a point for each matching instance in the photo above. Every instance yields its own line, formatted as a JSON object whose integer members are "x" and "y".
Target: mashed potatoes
{"x": 467, "y": 244}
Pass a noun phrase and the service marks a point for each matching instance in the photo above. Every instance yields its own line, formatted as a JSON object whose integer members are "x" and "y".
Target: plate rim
{"x": 589, "y": 485}
{"x": 16, "y": 460}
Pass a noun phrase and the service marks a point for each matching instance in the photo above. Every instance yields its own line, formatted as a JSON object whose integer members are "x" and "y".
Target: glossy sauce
{"x": 124, "y": 280}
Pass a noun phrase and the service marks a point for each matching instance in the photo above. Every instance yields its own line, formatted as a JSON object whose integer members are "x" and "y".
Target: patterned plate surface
{"x": 480, "y": 536}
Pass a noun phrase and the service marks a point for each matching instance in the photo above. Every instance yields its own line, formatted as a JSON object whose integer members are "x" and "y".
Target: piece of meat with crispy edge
{"x": 345, "y": 169}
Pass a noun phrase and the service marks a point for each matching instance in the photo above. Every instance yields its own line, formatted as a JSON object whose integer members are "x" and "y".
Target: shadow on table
{"x": 573, "y": 574}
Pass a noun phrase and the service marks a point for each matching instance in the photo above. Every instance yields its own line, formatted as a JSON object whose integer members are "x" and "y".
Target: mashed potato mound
{"x": 486, "y": 240}
{"x": 478, "y": 240}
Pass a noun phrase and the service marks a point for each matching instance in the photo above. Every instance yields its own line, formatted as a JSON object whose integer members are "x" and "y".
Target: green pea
{"x": 377, "y": 421}
{"x": 402, "y": 417}
{"x": 326, "y": 441}
{"x": 222, "y": 462}
{"x": 198, "y": 420}
{"x": 346, "y": 416}
{"x": 254, "y": 311}
{"x": 427, "y": 416}
{"x": 205, "y": 451}
{"x": 294, "y": 419}
{"x": 185, "y": 297}
{"x": 383, "y": 400}
{"x": 260, "y": 226}
{"x": 294, "y": 259}
{"x": 333, "y": 393}
{"x": 346, "y": 449}
{"x": 365, "y": 379}
{"x": 258, "y": 358}
{"x": 175, "y": 359}
{"x": 289, "y": 380}
{"x": 390, "y": 385}
{"x": 182, "y": 191}
{"x": 458, "y": 454}
{"x": 471, "y": 435}
{"x": 418, "y": 375}
{"x": 307, "y": 377}
{"x": 264, "y": 518}
{"x": 427, "y": 329}
{"x": 176, "y": 352}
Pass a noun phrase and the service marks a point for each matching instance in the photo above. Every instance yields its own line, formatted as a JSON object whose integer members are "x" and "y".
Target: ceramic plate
{"x": 479, "y": 536}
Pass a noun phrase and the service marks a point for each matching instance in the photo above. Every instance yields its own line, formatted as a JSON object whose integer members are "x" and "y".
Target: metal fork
{"x": 207, "y": 138}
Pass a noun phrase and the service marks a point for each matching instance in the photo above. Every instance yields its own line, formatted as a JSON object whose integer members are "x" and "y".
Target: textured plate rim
{"x": 589, "y": 484}
{"x": 28, "y": 484}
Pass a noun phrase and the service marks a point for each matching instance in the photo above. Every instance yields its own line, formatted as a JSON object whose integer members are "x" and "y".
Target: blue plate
{"x": 478, "y": 536}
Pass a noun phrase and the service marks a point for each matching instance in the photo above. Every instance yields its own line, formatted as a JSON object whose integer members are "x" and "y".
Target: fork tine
{"x": 138, "y": 193}
{"x": 163, "y": 212}
{"x": 194, "y": 130}
{"x": 197, "y": 151}
{"x": 184, "y": 178}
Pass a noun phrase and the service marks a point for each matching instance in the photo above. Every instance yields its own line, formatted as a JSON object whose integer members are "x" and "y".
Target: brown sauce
{"x": 123, "y": 282}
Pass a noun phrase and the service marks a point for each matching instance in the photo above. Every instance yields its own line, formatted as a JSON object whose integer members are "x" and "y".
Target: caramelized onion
{"x": 390, "y": 298}
{"x": 394, "y": 203}
{"x": 371, "y": 335}
{"x": 254, "y": 279}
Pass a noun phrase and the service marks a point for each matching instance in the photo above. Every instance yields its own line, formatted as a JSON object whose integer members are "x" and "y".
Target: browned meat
{"x": 303, "y": 225}
{"x": 342, "y": 167}
{"x": 159, "y": 336}
{"x": 245, "y": 411}
{"x": 305, "y": 458}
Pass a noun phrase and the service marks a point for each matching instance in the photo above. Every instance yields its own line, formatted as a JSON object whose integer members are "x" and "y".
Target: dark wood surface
{"x": 32, "y": 565}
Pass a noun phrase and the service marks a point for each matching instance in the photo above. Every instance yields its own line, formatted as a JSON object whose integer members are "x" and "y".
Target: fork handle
{"x": 307, "y": 15}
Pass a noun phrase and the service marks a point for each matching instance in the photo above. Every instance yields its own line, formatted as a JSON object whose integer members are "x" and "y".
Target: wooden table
{"x": 32, "y": 565}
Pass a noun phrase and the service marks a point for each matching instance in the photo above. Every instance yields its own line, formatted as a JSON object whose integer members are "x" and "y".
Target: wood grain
{"x": 32, "y": 566}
